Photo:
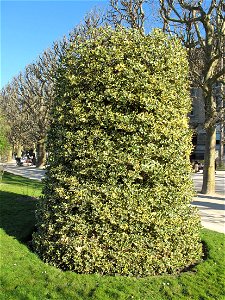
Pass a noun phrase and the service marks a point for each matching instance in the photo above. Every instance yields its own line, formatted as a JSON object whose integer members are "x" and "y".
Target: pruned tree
{"x": 201, "y": 25}
{"x": 36, "y": 88}
{"x": 30, "y": 95}
{"x": 43, "y": 74}
{"x": 118, "y": 184}
{"x": 127, "y": 12}
{"x": 16, "y": 117}
{"x": 4, "y": 141}
{"x": 27, "y": 101}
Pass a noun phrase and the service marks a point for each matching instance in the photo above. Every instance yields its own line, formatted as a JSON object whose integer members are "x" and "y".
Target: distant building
{"x": 197, "y": 119}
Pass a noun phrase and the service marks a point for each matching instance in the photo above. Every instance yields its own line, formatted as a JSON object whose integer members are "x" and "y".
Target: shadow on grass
{"x": 12, "y": 179}
{"x": 17, "y": 215}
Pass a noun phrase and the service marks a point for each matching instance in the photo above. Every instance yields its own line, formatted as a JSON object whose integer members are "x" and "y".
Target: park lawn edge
{"x": 24, "y": 276}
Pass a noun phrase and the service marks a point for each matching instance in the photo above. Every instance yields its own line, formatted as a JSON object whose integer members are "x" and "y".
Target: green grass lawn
{"x": 24, "y": 276}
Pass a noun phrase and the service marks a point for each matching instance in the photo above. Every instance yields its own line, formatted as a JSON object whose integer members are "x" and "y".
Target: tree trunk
{"x": 221, "y": 150}
{"x": 10, "y": 155}
{"x": 208, "y": 186}
{"x": 18, "y": 150}
{"x": 41, "y": 154}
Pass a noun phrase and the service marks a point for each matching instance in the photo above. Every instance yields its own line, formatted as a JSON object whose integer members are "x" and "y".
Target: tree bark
{"x": 10, "y": 155}
{"x": 221, "y": 150}
{"x": 203, "y": 33}
{"x": 208, "y": 186}
{"x": 41, "y": 153}
{"x": 18, "y": 150}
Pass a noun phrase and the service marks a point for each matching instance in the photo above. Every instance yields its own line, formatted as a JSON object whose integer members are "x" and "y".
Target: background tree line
{"x": 26, "y": 101}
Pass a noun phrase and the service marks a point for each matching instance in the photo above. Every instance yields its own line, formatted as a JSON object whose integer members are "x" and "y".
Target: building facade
{"x": 197, "y": 120}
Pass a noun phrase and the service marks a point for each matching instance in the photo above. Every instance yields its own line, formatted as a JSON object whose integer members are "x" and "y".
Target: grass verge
{"x": 24, "y": 276}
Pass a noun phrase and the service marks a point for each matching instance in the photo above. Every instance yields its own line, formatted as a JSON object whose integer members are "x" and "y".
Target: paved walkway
{"x": 26, "y": 171}
{"x": 211, "y": 208}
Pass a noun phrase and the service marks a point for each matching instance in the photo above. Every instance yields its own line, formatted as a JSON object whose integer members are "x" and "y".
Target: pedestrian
{"x": 34, "y": 160}
{"x": 196, "y": 166}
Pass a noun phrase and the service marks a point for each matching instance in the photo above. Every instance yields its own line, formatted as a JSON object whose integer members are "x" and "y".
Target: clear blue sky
{"x": 29, "y": 27}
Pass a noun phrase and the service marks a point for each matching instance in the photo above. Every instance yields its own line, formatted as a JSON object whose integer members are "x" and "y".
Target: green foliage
{"x": 24, "y": 276}
{"x": 118, "y": 190}
{"x": 4, "y": 129}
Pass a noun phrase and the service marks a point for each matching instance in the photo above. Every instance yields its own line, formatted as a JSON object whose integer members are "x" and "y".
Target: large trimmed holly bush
{"x": 118, "y": 189}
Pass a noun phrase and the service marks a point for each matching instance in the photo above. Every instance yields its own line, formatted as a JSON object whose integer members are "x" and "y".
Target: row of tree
{"x": 27, "y": 100}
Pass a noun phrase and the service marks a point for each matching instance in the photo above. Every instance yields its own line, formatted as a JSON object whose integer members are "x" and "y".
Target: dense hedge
{"x": 118, "y": 190}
